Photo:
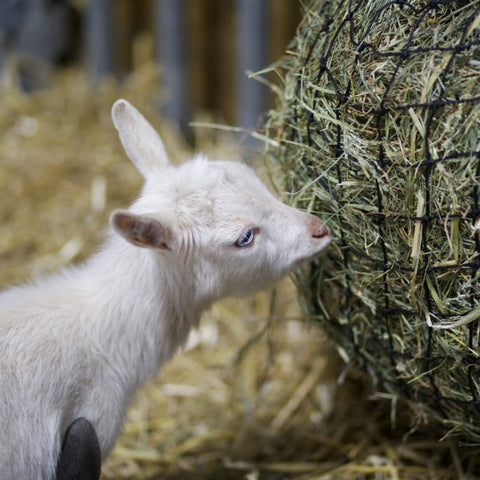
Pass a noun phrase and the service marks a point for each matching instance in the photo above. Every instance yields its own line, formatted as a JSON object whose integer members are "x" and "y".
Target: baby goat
{"x": 75, "y": 345}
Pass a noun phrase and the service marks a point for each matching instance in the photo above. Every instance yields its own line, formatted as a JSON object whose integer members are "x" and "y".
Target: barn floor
{"x": 258, "y": 394}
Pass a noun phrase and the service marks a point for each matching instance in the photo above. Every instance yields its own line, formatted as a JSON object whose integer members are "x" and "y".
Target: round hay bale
{"x": 378, "y": 130}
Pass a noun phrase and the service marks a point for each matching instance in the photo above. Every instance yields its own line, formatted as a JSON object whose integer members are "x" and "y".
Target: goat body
{"x": 78, "y": 343}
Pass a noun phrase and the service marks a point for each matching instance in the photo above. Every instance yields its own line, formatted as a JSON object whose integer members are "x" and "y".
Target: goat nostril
{"x": 320, "y": 232}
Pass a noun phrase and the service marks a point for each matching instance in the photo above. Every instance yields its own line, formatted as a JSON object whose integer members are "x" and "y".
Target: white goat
{"x": 74, "y": 346}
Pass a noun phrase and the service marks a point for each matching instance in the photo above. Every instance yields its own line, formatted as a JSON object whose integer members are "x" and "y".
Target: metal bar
{"x": 99, "y": 38}
{"x": 251, "y": 50}
{"x": 169, "y": 20}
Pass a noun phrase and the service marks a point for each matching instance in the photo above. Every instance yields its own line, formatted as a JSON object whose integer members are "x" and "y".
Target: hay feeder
{"x": 378, "y": 130}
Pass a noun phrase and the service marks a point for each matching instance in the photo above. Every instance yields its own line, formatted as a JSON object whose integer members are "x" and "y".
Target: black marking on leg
{"x": 80, "y": 457}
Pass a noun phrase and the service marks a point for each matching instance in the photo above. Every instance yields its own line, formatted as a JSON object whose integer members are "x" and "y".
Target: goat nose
{"x": 320, "y": 232}
{"x": 318, "y": 229}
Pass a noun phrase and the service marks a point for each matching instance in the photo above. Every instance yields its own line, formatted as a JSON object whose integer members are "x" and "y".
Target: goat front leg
{"x": 80, "y": 457}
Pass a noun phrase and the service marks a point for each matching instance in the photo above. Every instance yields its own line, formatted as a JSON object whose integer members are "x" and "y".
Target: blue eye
{"x": 246, "y": 238}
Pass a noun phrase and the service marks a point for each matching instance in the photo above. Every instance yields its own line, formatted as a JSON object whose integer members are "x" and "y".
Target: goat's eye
{"x": 246, "y": 238}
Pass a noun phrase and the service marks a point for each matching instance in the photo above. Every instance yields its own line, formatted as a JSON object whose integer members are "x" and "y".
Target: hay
{"x": 378, "y": 128}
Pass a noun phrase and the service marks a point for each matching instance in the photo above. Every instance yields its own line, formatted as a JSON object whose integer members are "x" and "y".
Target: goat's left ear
{"x": 140, "y": 140}
{"x": 141, "y": 230}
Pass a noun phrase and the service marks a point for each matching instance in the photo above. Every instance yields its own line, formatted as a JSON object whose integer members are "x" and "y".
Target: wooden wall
{"x": 211, "y": 45}
{"x": 202, "y": 47}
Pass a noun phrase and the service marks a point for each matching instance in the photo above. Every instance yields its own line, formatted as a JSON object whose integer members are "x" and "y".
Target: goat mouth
{"x": 322, "y": 243}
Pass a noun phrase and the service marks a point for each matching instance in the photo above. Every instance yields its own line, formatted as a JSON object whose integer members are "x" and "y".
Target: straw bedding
{"x": 255, "y": 396}
{"x": 240, "y": 398}
{"x": 378, "y": 129}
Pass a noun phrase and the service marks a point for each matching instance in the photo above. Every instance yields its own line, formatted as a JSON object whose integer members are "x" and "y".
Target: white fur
{"x": 80, "y": 342}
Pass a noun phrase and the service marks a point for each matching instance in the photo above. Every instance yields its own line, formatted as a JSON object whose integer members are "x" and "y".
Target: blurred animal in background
{"x": 75, "y": 345}
{"x": 35, "y": 35}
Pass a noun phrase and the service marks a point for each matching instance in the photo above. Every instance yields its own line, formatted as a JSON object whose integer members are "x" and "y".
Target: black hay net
{"x": 379, "y": 130}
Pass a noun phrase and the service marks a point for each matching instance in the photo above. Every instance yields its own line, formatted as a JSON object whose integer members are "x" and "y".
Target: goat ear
{"x": 141, "y": 230}
{"x": 140, "y": 140}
